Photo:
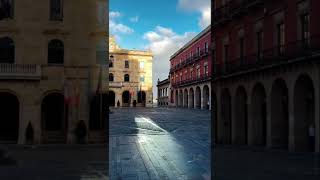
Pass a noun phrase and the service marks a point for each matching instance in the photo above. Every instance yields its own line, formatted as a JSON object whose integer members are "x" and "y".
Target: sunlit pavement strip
{"x": 159, "y": 144}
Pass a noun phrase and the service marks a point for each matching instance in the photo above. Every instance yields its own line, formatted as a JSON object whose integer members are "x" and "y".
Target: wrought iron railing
{"x": 189, "y": 81}
{"x": 299, "y": 50}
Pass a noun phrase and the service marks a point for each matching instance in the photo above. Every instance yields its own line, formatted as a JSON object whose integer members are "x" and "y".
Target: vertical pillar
{"x": 250, "y": 138}
{"x": 291, "y": 144}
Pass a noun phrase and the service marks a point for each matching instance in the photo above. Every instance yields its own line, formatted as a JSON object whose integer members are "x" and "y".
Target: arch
{"x": 185, "y": 98}
{"x": 111, "y": 77}
{"x": 55, "y": 52}
{"x": 240, "y": 122}
{"x": 198, "y": 98}
{"x": 98, "y": 112}
{"x": 112, "y": 99}
{"x": 176, "y": 98}
{"x": 191, "y": 98}
{"x": 141, "y": 96}
{"x": 259, "y": 115}
{"x": 180, "y": 98}
{"x": 126, "y": 98}
{"x": 304, "y": 113}
{"x": 279, "y": 114}
{"x": 9, "y": 113}
{"x": 224, "y": 125}
{"x": 172, "y": 96}
{"x": 206, "y": 97}
{"x": 7, "y": 50}
{"x": 126, "y": 78}
{"x": 54, "y": 118}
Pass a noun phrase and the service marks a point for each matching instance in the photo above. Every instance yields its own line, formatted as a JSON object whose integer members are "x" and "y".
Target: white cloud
{"x": 119, "y": 28}
{"x": 164, "y": 42}
{"x": 134, "y": 19}
{"x": 201, "y": 6}
{"x": 114, "y": 14}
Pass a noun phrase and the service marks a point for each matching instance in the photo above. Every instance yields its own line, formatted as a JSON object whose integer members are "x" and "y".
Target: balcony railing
{"x": 190, "y": 81}
{"x": 295, "y": 51}
{"x": 20, "y": 71}
{"x": 232, "y": 8}
{"x": 203, "y": 53}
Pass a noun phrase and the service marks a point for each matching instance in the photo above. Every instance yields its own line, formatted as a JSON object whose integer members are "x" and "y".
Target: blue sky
{"x": 163, "y": 26}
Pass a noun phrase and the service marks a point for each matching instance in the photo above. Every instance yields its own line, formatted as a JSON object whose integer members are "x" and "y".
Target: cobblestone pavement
{"x": 258, "y": 163}
{"x": 159, "y": 143}
{"x": 55, "y": 162}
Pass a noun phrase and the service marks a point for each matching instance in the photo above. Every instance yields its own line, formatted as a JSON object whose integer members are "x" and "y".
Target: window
{"x": 111, "y": 77}
{"x": 198, "y": 51}
{"x": 206, "y": 47}
{"x": 241, "y": 48}
{"x": 126, "y": 78}
{"x": 7, "y": 50}
{"x": 180, "y": 77}
{"x": 141, "y": 64}
{"x": 198, "y": 72}
{"x": 259, "y": 36}
{"x": 110, "y": 64}
{"x": 141, "y": 78}
{"x": 126, "y": 64}
{"x": 225, "y": 53}
{"x": 206, "y": 70}
{"x": 305, "y": 28}
{"x": 191, "y": 74}
{"x": 6, "y": 9}
{"x": 280, "y": 38}
{"x": 55, "y": 52}
{"x": 56, "y": 10}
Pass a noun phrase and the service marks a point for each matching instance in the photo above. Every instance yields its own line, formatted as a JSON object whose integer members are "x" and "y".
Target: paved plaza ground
{"x": 159, "y": 143}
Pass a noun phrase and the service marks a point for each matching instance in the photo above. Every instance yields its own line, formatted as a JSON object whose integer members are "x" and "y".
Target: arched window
{"x": 110, "y": 64}
{"x": 56, "y": 10}
{"x": 55, "y": 52}
{"x": 126, "y": 78}
{"x": 6, "y": 9}
{"x": 6, "y": 50}
{"x": 111, "y": 78}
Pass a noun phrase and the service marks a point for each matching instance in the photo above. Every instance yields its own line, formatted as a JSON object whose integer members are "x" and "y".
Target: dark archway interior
{"x": 304, "y": 109}
{"x": 191, "y": 98}
{"x": 98, "y": 112}
{"x": 241, "y": 121}
{"x": 9, "y": 113}
{"x": 126, "y": 98}
{"x": 185, "y": 98}
{"x": 279, "y": 115}
{"x": 225, "y": 123}
{"x": 53, "y": 113}
{"x": 206, "y": 97}
{"x": 259, "y": 114}
{"x": 198, "y": 98}
{"x": 142, "y": 98}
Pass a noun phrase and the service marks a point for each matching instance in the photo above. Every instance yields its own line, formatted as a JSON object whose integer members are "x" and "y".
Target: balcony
{"x": 190, "y": 60}
{"x": 190, "y": 81}
{"x": 20, "y": 71}
{"x": 115, "y": 84}
{"x": 233, "y": 8}
{"x": 302, "y": 50}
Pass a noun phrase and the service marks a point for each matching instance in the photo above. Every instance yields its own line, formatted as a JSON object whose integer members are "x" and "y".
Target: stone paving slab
{"x": 160, "y": 144}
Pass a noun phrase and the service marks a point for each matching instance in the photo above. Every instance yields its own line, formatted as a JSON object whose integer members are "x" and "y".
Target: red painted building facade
{"x": 190, "y": 73}
{"x": 266, "y": 73}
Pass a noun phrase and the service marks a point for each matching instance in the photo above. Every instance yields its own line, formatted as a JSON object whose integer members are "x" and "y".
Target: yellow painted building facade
{"x": 130, "y": 76}
{"x": 50, "y": 75}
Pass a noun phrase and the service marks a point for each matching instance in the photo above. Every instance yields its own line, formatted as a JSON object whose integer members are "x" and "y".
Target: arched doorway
{"x": 198, "y": 98}
{"x": 9, "y": 118}
{"x": 171, "y": 96}
{"x": 279, "y": 114}
{"x": 54, "y": 117}
{"x": 240, "y": 123}
{"x": 224, "y": 125}
{"x": 98, "y": 112}
{"x": 304, "y": 113}
{"x": 176, "y": 98}
{"x": 112, "y": 99}
{"x": 191, "y": 98}
{"x": 185, "y": 97}
{"x": 180, "y": 98}
{"x": 206, "y": 100}
{"x": 141, "y": 96}
{"x": 259, "y": 115}
{"x": 126, "y": 99}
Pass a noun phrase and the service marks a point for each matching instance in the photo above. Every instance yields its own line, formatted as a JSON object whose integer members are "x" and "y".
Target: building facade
{"x": 190, "y": 73}
{"x": 163, "y": 93}
{"x": 130, "y": 77}
{"x": 49, "y": 69}
{"x": 266, "y": 73}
